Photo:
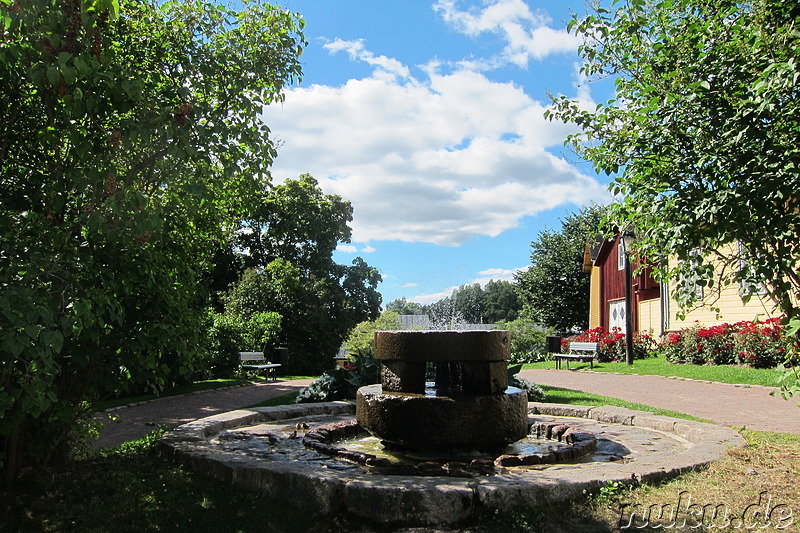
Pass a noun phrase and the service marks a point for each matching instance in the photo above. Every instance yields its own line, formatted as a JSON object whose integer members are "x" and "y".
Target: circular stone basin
{"x": 424, "y": 421}
{"x": 548, "y": 443}
{"x": 262, "y": 450}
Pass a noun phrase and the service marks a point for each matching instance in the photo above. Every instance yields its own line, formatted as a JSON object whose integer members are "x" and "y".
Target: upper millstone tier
{"x": 466, "y": 362}
{"x": 458, "y": 345}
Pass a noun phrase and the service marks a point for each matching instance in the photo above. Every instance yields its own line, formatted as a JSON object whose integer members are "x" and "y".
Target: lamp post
{"x": 626, "y": 240}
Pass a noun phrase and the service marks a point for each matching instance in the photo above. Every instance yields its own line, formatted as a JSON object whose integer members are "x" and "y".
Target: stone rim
{"x": 423, "y": 500}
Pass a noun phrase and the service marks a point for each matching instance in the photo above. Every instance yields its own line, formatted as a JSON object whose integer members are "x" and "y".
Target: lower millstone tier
{"x": 419, "y": 421}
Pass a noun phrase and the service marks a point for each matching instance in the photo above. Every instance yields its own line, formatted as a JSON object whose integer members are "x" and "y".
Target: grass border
{"x": 658, "y": 366}
{"x": 578, "y": 397}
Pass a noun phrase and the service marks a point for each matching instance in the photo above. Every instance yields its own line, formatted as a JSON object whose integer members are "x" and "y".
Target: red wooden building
{"x": 605, "y": 261}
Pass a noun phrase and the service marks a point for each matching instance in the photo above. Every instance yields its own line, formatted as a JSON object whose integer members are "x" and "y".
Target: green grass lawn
{"x": 283, "y": 399}
{"x": 569, "y": 396}
{"x": 658, "y": 366}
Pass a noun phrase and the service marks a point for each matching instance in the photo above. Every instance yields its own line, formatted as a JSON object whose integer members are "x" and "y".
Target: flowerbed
{"x": 611, "y": 344}
{"x": 757, "y": 344}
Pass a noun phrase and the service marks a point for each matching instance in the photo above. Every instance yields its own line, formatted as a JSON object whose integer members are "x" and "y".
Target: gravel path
{"x": 135, "y": 421}
{"x": 749, "y": 406}
{"x": 732, "y": 405}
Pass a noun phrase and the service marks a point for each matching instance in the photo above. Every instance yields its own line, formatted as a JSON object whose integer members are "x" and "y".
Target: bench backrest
{"x": 251, "y": 356}
{"x": 583, "y": 346}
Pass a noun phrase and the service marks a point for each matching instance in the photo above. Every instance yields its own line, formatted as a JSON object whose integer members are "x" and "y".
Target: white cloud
{"x": 388, "y": 68}
{"x": 353, "y": 249}
{"x": 426, "y": 299}
{"x": 409, "y": 285}
{"x": 527, "y": 34}
{"x": 438, "y": 160}
{"x": 497, "y": 274}
{"x": 501, "y": 274}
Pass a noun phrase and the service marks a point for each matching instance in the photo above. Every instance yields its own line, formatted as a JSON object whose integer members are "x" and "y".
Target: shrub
{"x": 363, "y": 335}
{"x": 760, "y": 344}
{"x": 228, "y": 334}
{"x": 611, "y": 344}
{"x": 527, "y": 340}
{"x": 342, "y": 383}
{"x": 757, "y": 344}
{"x": 535, "y": 392}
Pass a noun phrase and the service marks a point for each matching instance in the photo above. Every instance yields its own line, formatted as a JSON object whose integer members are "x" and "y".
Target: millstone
{"x": 420, "y": 421}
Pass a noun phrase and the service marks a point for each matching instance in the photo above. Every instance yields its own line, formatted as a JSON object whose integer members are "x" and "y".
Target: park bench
{"x": 585, "y": 352}
{"x": 256, "y": 361}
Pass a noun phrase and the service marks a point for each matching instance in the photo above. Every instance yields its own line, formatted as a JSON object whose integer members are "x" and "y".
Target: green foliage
{"x": 702, "y": 133}
{"x": 131, "y": 135}
{"x": 292, "y": 272}
{"x": 362, "y": 338}
{"x": 229, "y": 334}
{"x": 789, "y": 382}
{"x": 473, "y": 304}
{"x": 527, "y": 340}
{"x": 613, "y": 492}
{"x": 535, "y": 392}
{"x": 500, "y": 301}
{"x": 555, "y": 290}
{"x": 361, "y": 368}
{"x": 401, "y": 306}
{"x": 343, "y": 383}
{"x": 756, "y": 344}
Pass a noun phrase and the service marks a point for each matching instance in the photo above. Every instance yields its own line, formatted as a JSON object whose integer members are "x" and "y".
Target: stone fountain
{"x": 468, "y": 405}
{"x": 300, "y": 453}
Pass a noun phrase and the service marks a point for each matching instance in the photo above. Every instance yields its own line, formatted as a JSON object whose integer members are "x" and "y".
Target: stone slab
{"x": 466, "y": 345}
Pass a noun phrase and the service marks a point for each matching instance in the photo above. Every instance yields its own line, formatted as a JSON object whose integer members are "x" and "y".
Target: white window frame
{"x": 746, "y": 288}
{"x": 698, "y": 290}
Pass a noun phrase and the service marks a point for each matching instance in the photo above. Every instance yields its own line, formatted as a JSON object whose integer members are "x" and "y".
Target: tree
{"x": 401, "y": 306}
{"x": 292, "y": 272}
{"x": 473, "y": 304}
{"x": 555, "y": 289}
{"x": 129, "y": 137}
{"x": 702, "y": 135}
{"x": 362, "y": 338}
{"x": 468, "y": 302}
{"x": 500, "y": 301}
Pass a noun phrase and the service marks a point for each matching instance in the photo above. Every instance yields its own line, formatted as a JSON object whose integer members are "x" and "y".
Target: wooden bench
{"x": 256, "y": 361}
{"x": 578, "y": 351}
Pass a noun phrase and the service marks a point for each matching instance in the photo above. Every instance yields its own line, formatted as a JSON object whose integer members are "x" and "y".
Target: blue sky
{"x": 428, "y": 117}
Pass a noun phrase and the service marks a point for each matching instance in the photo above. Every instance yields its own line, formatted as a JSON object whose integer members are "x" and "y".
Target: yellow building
{"x": 654, "y": 308}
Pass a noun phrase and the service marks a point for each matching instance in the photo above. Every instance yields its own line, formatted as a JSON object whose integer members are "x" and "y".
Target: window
{"x": 693, "y": 282}
{"x": 621, "y": 256}
{"x": 616, "y": 315}
{"x": 747, "y": 287}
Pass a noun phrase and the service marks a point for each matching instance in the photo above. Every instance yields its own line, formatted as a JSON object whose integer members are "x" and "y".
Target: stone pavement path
{"x": 732, "y": 405}
{"x": 749, "y": 406}
{"x": 135, "y": 421}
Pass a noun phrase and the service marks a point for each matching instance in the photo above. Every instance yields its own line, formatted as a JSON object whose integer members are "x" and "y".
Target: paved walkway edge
{"x": 751, "y": 407}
